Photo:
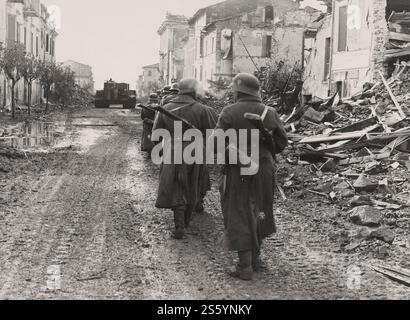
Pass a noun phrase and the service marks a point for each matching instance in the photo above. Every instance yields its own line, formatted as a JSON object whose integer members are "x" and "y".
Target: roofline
{"x": 70, "y": 60}
{"x": 200, "y": 11}
{"x": 151, "y": 66}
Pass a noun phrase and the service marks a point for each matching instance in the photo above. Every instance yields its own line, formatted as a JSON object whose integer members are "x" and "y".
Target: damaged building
{"x": 172, "y": 32}
{"x": 242, "y": 36}
{"x": 352, "y": 43}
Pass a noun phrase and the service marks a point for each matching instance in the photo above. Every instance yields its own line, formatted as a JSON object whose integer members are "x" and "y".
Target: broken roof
{"x": 213, "y": 23}
{"x": 173, "y": 20}
{"x": 227, "y": 9}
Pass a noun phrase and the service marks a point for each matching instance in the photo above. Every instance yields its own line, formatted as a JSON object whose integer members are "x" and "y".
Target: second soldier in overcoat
{"x": 180, "y": 184}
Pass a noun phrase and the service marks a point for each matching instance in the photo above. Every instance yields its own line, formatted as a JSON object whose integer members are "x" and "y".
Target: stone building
{"x": 26, "y": 22}
{"x": 354, "y": 42}
{"x": 149, "y": 81}
{"x": 172, "y": 32}
{"x": 242, "y": 36}
{"x": 140, "y": 86}
{"x": 83, "y": 74}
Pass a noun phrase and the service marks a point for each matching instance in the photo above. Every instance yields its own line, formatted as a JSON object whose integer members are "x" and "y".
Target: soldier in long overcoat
{"x": 180, "y": 184}
{"x": 247, "y": 201}
{"x": 173, "y": 92}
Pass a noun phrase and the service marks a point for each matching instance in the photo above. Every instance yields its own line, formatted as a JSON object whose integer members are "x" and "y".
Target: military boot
{"x": 179, "y": 220}
{"x": 256, "y": 261}
{"x": 244, "y": 270}
{"x": 188, "y": 216}
{"x": 200, "y": 207}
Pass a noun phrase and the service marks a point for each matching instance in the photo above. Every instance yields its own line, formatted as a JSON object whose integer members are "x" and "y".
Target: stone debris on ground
{"x": 355, "y": 152}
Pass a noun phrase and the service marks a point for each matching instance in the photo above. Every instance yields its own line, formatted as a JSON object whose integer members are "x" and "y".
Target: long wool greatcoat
{"x": 148, "y": 118}
{"x": 181, "y": 185}
{"x": 247, "y": 201}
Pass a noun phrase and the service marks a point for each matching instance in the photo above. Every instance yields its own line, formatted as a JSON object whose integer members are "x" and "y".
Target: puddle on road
{"x": 78, "y": 134}
{"x": 30, "y": 135}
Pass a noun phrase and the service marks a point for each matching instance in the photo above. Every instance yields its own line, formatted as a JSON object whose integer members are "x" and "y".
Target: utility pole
{"x": 247, "y": 51}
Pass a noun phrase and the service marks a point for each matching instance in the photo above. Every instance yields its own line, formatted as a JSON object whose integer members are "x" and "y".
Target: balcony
{"x": 31, "y": 12}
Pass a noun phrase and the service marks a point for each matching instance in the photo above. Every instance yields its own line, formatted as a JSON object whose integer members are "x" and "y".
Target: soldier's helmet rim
{"x": 188, "y": 85}
{"x": 175, "y": 87}
{"x": 246, "y": 83}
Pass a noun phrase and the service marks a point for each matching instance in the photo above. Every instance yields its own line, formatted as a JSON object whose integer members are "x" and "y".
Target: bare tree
{"x": 49, "y": 72}
{"x": 12, "y": 62}
{"x": 31, "y": 72}
{"x": 65, "y": 86}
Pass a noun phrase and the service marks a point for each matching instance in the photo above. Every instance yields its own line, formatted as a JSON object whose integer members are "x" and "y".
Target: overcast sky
{"x": 117, "y": 37}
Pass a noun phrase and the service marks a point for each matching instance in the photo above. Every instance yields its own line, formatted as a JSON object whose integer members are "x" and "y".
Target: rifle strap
{"x": 183, "y": 107}
{"x": 265, "y": 113}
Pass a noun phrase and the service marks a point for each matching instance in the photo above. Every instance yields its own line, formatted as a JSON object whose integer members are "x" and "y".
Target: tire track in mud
{"x": 71, "y": 228}
{"x": 57, "y": 226}
{"x": 25, "y": 226}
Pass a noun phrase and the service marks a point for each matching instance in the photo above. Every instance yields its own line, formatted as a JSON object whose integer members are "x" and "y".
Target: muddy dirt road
{"x": 80, "y": 223}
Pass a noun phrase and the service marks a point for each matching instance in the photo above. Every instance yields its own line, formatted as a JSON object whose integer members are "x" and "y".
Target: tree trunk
{"x": 29, "y": 98}
{"x": 47, "y": 94}
{"x": 13, "y": 103}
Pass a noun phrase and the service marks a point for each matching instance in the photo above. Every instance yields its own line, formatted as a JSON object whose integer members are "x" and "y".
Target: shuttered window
{"x": 266, "y": 46}
{"x": 18, "y": 32}
{"x": 327, "y": 59}
{"x": 11, "y": 29}
{"x": 342, "y": 35}
{"x": 32, "y": 43}
{"x": 269, "y": 14}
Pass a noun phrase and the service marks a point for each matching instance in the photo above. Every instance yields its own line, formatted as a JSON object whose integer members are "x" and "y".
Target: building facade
{"x": 140, "y": 87}
{"x": 172, "y": 33}
{"x": 242, "y": 36}
{"x": 354, "y": 42}
{"x": 26, "y": 22}
{"x": 150, "y": 80}
{"x": 83, "y": 74}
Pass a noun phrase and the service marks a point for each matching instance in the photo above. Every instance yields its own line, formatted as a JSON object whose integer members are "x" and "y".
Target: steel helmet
{"x": 175, "y": 87}
{"x": 246, "y": 83}
{"x": 188, "y": 85}
{"x": 166, "y": 89}
{"x": 153, "y": 96}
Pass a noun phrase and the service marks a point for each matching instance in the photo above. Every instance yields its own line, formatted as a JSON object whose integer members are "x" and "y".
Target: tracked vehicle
{"x": 116, "y": 93}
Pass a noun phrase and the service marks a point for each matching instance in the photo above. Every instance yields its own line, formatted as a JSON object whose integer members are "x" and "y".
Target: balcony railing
{"x": 31, "y": 12}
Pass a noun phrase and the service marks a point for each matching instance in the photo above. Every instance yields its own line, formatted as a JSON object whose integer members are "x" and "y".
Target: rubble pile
{"x": 281, "y": 86}
{"x": 218, "y": 103}
{"x": 399, "y": 35}
{"x": 355, "y": 153}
